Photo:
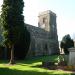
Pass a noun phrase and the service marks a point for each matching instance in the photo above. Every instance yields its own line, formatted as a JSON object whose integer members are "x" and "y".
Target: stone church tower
{"x": 47, "y": 21}
{"x": 44, "y": 38}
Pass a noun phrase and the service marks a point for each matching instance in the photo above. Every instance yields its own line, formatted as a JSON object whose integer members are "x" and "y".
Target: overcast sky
{"x": 64, "y": 9}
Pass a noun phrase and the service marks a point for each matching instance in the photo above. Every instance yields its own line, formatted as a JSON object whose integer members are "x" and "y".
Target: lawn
{"x": 30, "y": 67}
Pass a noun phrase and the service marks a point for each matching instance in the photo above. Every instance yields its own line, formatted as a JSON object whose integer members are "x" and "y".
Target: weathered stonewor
{"x": 71, "y": 60}
{"x": 44, "y": 38}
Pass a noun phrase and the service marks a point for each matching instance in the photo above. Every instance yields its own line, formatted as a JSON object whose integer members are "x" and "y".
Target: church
{"x": 44, "y": 38}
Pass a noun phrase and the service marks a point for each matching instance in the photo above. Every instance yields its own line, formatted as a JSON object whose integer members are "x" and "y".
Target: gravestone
{"x": 71, "y": 57}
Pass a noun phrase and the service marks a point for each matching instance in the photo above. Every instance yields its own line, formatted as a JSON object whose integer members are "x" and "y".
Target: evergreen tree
{"x": 66, "y": 43}
{"x": 13, "y": 23}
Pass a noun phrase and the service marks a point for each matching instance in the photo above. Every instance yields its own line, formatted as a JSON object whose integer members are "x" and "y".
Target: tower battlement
{"x": 46, "y": 12}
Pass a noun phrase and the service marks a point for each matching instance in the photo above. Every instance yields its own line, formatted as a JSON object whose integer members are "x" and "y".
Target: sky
{"x": 64, "y": 9}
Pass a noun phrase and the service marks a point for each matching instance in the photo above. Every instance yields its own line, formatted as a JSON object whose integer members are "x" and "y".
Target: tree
{"x": 0, "y": 32}
{"x": 13, "y": 23}
{"x": 66, "y": 43}
{"x": 22, "y": 46}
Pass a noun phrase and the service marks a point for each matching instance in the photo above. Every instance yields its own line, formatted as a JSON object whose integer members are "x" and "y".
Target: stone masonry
{"x": 44, "y": 38}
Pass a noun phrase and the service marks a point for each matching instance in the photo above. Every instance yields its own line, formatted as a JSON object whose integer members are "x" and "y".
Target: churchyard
{"x": 40, "y": 44}
{"x": 33, "y": 66}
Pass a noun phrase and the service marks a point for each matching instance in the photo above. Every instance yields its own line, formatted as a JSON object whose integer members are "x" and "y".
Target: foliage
{"x": 66, "y": 43}
{"x": 12, "y": 20}
{"x": 22, "y": 47}
{"x": 14, "y": 30}
{"x": 1, "y": 38}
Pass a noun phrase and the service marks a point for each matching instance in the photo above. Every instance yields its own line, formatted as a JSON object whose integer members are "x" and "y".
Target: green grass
{"x": 30, "y": 67}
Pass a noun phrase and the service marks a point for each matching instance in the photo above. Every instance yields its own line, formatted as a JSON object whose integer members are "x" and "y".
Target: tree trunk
{"x": 12, "y": 55}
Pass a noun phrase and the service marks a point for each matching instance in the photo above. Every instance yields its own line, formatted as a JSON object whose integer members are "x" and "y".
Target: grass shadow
{"x": 40, "y": 59}
{"x": 7, "y": 71}
{"x": 34, "y": 59}
{"x": 29, "y": 67}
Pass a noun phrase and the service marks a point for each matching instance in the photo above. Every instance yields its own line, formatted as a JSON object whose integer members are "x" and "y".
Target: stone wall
{"x": 44, "y": 38}
{"x": 41, "y": 42}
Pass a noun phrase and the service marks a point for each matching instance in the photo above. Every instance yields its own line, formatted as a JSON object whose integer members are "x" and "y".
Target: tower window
{"x": 44, "y": 20}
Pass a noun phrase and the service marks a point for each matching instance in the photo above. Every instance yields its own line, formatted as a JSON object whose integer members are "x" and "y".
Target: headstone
{"x": 66, "y": 58}
{"x": 71, "y": 57}
{"x": 47, "y": 64}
